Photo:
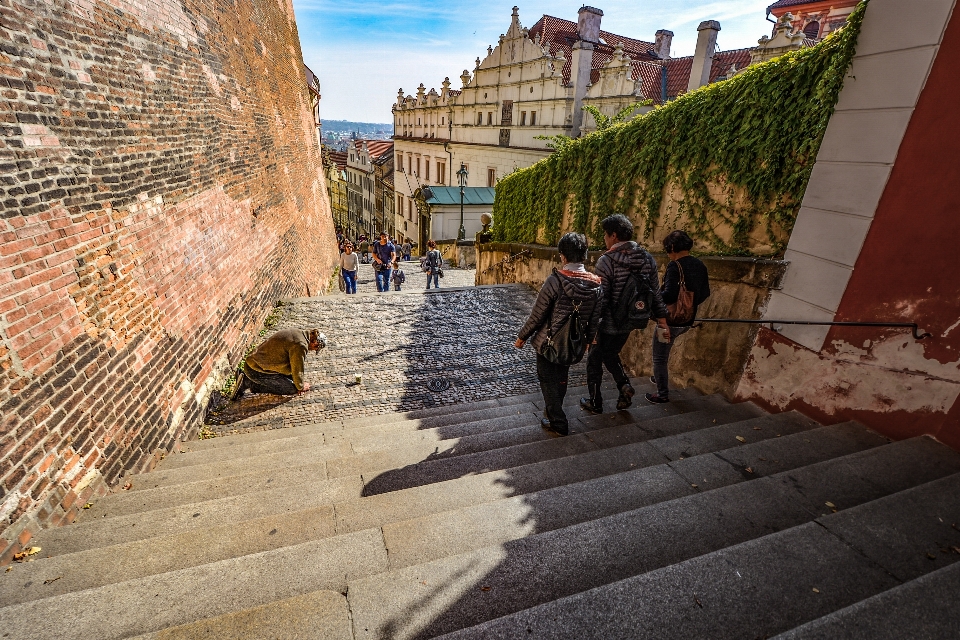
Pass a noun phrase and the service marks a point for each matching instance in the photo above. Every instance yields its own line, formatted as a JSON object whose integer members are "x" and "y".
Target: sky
{"x": 365, "y": 50}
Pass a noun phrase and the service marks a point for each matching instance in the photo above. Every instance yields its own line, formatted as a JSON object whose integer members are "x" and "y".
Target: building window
{"x": 418, "y": 168}
{"x": 441, "y": 172}
{"x": 426, "y": 169}
{"x": 489, "y": 117}
{"x": 491, "y": 177}
{"x": 523, "y": 118}
{"x": 533, "y": 118}
{"x": 443, "y": 121}
{"x": 812, "y": 30}
{"x": 479, "y": 117}
{"x": 418, "y": 122}
{"x": 400, "y": 161}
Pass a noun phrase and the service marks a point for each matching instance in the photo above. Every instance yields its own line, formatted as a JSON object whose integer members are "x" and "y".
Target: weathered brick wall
{"x": 161, "y": 188}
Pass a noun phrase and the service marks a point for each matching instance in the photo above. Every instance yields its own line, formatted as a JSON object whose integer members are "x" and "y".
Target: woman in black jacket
{"x": 571, "y": 286}
{"x": 693, "y": 273}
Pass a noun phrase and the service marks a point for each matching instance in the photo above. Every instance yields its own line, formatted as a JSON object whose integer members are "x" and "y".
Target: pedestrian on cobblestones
{"x": 406, "y": 248}
{"x": 398, "y": 276}
{"x": 277, "y": 365}
{"x": 685, "y": 287}
{"x": 433, "y": 264}
{"x": 570, "y": 296}
{"x": 623, "y": 260}
{"x": 384, "y": 255}
{"x": 349, "y": 264}
{"x": 364, "y": 249}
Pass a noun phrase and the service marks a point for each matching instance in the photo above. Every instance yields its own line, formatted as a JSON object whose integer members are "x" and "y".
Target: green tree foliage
{"x": 756, "y": 134}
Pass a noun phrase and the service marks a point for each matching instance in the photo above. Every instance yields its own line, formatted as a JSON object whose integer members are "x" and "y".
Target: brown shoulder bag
{"x": 681, "y": 311}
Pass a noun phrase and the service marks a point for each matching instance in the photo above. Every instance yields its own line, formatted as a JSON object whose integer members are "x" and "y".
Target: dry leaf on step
{"x": 29, "y": 551}
{"x": 741, "y": 439}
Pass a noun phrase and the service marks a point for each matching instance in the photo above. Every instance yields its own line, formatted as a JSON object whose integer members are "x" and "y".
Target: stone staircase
{"x": 695, "y": 519}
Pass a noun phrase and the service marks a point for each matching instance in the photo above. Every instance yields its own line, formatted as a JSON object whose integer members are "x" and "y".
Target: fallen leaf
{"x": 815, "y": 590}
{"x": 931, "y": 556}
{"x": 127, "y": 486}
{"x": 694, "y": 486}
{"x": 756, "y": 428}
{"x": 88, "y": 505}
{"x": 749, "y": 469}
{"x": 697, "y": 600}
{"x": 52, "y": 580}
{"x": 762, "y": 459}
{"x": 29, "y": 551}
{"x": 714, "y": 421}
{"x": 9, "y": 569}
{"x": 955, "y": 550}
{"x": 484, "y": 588}
{"x": 741, "y": 439}
{"x": 830, "y": 504}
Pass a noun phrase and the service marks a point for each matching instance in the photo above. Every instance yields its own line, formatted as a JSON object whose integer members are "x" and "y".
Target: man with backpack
{"x": 631, "y": 297}
{"x": 563, "y": 323}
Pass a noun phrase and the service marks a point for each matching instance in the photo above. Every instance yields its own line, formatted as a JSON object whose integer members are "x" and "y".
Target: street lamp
{"x": 462, "y": 177}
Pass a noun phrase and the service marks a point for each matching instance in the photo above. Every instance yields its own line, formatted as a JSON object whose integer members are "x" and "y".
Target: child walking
{"x": 398, "y": 277}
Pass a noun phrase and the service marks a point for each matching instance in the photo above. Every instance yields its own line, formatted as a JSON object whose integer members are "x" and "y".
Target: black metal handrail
{"x": 506, "y": 260}
{"x": 913, "y": 326}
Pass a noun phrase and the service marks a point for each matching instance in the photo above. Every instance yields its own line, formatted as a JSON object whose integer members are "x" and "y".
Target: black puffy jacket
{"x": 555, "y": 303}
{"x": 614, "y": 267}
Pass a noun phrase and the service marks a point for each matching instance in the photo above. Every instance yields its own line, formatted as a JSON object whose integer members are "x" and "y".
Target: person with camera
{"x": 384, "y": 253}
{"x": 562, "y": 324}
{"x": 685, "y": 287}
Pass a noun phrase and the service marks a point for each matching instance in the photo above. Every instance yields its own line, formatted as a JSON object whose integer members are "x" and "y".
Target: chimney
{"x": 703, "y": 57}
{"x": 662, "y": 44}
{"x": 588, "y": 28}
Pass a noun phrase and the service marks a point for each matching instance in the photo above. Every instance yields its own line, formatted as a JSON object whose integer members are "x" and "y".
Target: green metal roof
{"x": 451, "y": 195}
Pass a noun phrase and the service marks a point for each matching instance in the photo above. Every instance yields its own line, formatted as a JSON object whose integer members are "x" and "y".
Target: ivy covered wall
{"x": 729, "y": 162}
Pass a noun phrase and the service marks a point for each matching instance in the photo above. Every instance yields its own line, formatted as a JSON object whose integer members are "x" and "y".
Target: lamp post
{"x": 462, "y": 174}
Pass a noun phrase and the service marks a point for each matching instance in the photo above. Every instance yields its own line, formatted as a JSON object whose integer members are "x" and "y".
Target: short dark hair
{"x": 573, "y": 247}
{"x": 618, "y": 225}
{"x": 677, "y": 241}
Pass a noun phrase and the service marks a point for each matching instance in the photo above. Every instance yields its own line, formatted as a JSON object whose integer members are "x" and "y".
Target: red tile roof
{"x": 783, "y": 4}
{"x": 339, "y": 158}
{"x": 678, "y": 69}
{"x": 377, "y": 148}
{"x": 561, "y": 35}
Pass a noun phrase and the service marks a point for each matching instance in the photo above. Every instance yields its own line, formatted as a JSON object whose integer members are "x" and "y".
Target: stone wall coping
{"x": 757, "y": 272}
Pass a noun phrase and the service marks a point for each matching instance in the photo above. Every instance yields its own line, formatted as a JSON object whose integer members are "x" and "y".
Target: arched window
{"x": 812, "y": 30}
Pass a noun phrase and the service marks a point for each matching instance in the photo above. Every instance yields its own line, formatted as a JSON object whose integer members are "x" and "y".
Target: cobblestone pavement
{"x": 415, "y": 278}
{"x": 398, "y": 342}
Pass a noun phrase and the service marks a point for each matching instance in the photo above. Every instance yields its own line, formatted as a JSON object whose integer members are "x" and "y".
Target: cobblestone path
{"x": 398, "y": 342}
{"x": 415, "y": 278}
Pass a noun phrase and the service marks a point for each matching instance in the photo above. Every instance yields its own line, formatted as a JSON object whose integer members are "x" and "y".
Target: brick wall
{"x": 160, "y": 188}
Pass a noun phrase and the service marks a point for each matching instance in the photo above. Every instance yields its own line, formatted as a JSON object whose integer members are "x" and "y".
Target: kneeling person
{"x": 568, "y": 290}
{"x": 277, "y": 365}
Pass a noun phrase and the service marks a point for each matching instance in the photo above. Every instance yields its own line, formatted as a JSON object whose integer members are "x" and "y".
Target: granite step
{"x": 574, "y": 502}
{"x": 807, "y": 575}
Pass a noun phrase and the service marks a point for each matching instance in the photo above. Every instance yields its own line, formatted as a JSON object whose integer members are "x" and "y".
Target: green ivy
{"x": 756, "y": 134}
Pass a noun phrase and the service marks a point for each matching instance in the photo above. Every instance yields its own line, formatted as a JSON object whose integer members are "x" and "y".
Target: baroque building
{"x": 533, "y": 84}
{"x": 362, "y": 156}
{"x": 335, "y": 174}
{"x": 814, "y": 18}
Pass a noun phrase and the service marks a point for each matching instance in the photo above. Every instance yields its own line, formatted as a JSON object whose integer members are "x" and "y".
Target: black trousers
{"x": 606, "y": 353}
{"x": 275, "y": 383}
{"x": 553, "y": 385}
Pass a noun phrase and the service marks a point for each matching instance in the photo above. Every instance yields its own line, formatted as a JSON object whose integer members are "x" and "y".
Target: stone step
{"x": 925, "y": 607}
{"x": 225, "y": 539}
{"x": 185, "y": 596}
{"x": 493, "y": 581}
{"x": 355, "y": 464}
{"x": 318, "y": 614}
{"x": 381, "y": 473}
{"x": 761, "y": 587}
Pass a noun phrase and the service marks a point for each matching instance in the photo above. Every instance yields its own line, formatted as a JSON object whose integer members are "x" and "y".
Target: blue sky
{"x": 364, "y": 51}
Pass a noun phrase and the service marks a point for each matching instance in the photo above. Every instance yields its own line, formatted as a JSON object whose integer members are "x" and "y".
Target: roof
{"x": 451, "y": 195}
{"x": 562, "y": 34}
{"x": 678, "y": 69}
{"x": 783, "y": 4}
{"x": 339, "y": 158}
{"x": 313, "y": 83}
{"x": 377, "y": 148}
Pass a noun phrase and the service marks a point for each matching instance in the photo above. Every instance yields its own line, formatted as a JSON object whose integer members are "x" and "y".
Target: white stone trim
{"x": 897, "y": 46}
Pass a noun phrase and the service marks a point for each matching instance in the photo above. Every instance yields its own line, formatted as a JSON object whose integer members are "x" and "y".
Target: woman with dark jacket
{"x": 684, "y": 268}
{"x": 564, "y": 290}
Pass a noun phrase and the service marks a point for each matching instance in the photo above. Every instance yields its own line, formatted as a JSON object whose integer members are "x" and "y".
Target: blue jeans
{"x": 383, "y": 280}
{"x": 661, "y": 358}
{"x": 350, "y": 280}
{"x": 436, "y": 280}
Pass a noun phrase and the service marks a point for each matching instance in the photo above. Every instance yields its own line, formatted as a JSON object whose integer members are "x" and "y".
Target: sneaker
{"x": 653, "y": 381}
{"x": 549, "y": 427}
{"x": 626, "y": 397}
{"x": 587, "y": 405}
{"x": 653, "y": 398}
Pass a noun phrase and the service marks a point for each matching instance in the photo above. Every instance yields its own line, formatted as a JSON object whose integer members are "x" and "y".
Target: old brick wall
{"x": 161, "y": 189}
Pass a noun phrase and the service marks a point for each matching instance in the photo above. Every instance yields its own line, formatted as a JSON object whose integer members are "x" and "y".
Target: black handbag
{"x": 567, "y": 344}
